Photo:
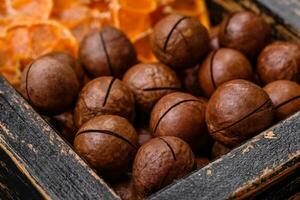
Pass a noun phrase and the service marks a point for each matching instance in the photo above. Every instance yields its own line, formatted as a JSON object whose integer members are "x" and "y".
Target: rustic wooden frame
{"x": 35, "y": 163}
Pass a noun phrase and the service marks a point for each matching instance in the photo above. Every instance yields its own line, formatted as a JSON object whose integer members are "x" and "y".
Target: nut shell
{"x": 223, "y": 65}
{"x": 102, "y": 96}
{"x": 108, "y": 143}
{"x": 246, "y": 32}
{"x": 149, "y": 82}
{"x": 189, "y": 79}
{"x": 64, "y": 123}
{"x": 237, "y": 111}
{"x": 279, "y": 60}
{"x": 159, "y": 162}
{"x": 179, "y": 41}
{"x": 144, "y": 135}
{"x": 285, "y": 96}
{"x": 107, "y": 53}
{"x": 219, "y": 150}
{"x": 126, "y": 190}
{"x": 181, "y": 115}
{"x": 201, "y": 162}
{"x": 49, "y": 85}
{"x": 70, "y": 60}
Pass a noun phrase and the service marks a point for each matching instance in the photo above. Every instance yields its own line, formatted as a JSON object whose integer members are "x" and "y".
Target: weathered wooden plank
{"x": 285, "y": 189}
{"x": 286, "y": 11}
{"x": 51, "y": 166}
{"x": 246, "y": 170}
{"x": 13, "y": 184}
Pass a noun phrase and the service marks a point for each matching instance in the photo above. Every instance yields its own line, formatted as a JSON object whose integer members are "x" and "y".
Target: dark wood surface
{"x": 246, "y": 170}
{"x": 13, "y": 184}
{"x": 282, "y": 190}
{"x": 37, "y": 150}
{"x": 285, "y": 11}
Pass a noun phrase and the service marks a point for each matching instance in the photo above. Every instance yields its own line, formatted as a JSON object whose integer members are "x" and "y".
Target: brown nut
{"x": 214, "y": 42}
{"x": 159, "y": 162}
{"x": 223, "y": 65}
{"x": 182, "y": 115}
{"x": 144, "y": 135}
{"x": 108, "y": 143}
{"x": 237, "y": 111}
{"x": 149, "y": 82}
{"x": 107, "y": 53}
{"x": 201, "y": 162}
{"x": 246, "y": 32}
{"x": 285, "y": 96}
{"x": 179, "y": 41}
{"x": 279, "y": 60}
{"x": 189, "y": 79}
{"x": 65, "y": 125}
{"x": 102, "y": 96}
{"x": 49, "y": 85}
{"x": 70, "y": 60}
{"x": 219, "y": 150}
{"x": 126, "y": 190}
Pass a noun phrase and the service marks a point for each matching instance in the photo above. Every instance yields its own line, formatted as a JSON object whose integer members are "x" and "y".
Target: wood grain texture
{"x": 13, "y": 184}
{"x": 286, "y": 11}
{"x": 51, "y": 166}
{"x": 285, "y": 189}
{"x": 246, "y": 170}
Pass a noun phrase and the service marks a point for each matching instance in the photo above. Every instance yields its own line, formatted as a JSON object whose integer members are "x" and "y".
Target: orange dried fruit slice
{"x": 141, "y": 6}
{"x": 80, "y": 19}
{"x": 26, "y": 41}
{"x": 33, "y": 9}
{"x": 135, "y": 23}
{"x": 72, "y": 15}
{"x": 84, "y": 28}
{"x": 142, "y": 46}
{"x": 157, "y": 15}
{"x": 12, "y": 74}
{"x": 187, "y": 7}
{"x": 3, "y": 10}
{"x": 4, "y": 53}
{"x": 205, "y": 21}
{"x": 39, "y": 37}
{"x": 3, "y": 26}
{"x": 101, "y": 5}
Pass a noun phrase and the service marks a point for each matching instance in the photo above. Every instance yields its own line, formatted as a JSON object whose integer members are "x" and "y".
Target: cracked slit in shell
{"x": 108, "y": 91}
{"x": 111, "y": 69}
{"x": 169, "y": 146}
{"x": 105, "y": 98}
{"x": 287, "y": 102}
{"x": 107, "y": 132}
{"x": 246, "y": 116}
{"x": 171, "y": 32}
{"x": 169, "y": 109}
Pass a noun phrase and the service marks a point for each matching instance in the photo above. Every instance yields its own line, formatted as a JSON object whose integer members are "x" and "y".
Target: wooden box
{"x": 36, "y": 163}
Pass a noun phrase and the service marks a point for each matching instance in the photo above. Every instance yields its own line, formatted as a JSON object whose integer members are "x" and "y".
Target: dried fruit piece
{"x": 134, "y": 24}
{"x": 29, "y": 40}
{"x": 142, "y": 47}
{"x": 144, "y": 6}
{"x": 37, "y": 9}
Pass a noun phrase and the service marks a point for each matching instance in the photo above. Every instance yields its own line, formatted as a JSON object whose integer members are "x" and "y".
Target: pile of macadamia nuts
{"x": 142, "y": 126}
